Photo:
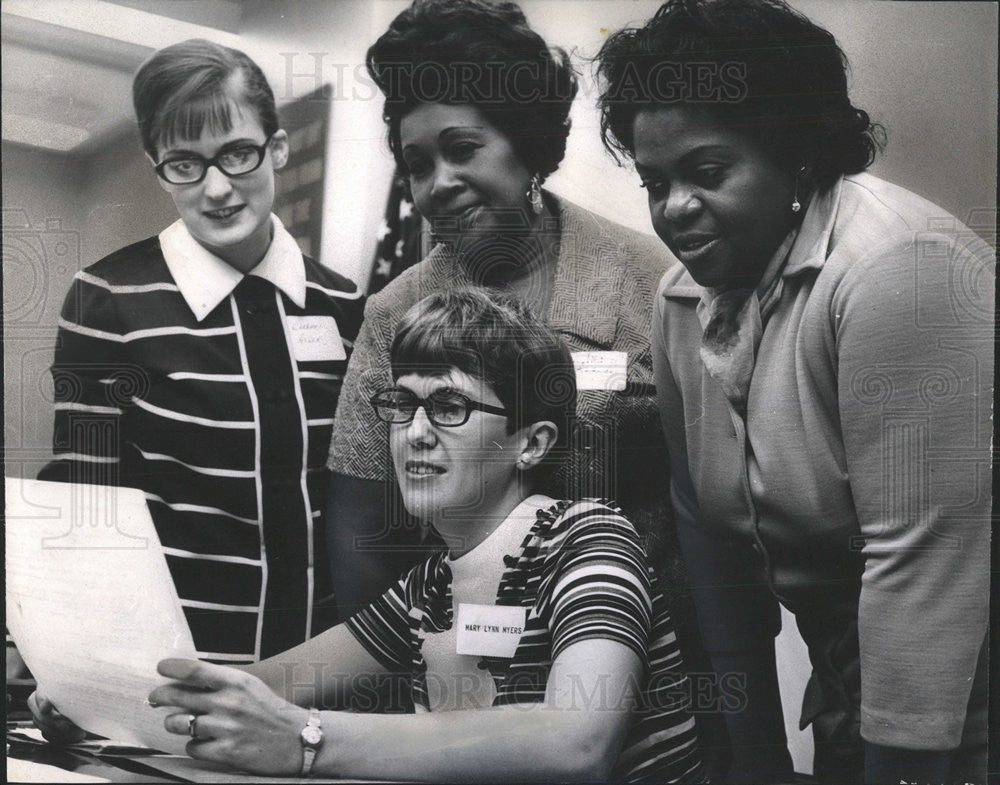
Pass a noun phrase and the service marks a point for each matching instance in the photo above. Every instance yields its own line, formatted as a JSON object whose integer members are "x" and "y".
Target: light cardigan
{"x": 857, "y": 491}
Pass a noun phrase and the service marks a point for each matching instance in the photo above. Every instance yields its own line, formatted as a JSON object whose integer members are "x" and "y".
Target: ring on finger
{"x": 193, "y": 726}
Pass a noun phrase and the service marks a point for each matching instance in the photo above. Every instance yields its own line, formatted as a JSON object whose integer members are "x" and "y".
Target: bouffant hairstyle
{"x": 482, "y": 54}
{"x": 182, "y": 89}
{"x": 757, "y": 66}
{"x": 492, "y": 336}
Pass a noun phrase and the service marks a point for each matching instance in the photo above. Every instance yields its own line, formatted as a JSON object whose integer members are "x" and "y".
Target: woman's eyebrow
{"x": 459, "y": 130}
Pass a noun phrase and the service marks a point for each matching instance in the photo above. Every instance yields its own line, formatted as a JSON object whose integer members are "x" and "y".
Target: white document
{"x": 91, "y": 605}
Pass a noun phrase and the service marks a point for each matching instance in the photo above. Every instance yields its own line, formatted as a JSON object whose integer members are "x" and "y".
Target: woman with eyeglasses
{"x": 203, "y": 365}
{"x": 537, "y": 647}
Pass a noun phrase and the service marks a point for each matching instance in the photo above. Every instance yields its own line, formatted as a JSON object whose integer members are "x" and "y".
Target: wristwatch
{"x": 311, "y": 737}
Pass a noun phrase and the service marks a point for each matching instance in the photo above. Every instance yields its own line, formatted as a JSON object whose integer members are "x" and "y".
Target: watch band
{"x": 311, "y": 738}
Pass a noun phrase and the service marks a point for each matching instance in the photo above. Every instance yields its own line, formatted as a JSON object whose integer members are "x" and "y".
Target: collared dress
{"x": 603, "y": 287}
{"x": 213, "y": 392}
{"x": 580, "y": 573}
{"x": 856, "y": 489}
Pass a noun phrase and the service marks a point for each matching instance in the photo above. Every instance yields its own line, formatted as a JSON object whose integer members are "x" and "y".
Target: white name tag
{"x": 489, "y": 630}
{"x": 601, "y": 370}
{"x": 315, "y": 338}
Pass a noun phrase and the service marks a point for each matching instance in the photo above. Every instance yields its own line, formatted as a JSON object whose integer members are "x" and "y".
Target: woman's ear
{"x": 539, "y": 438}
{"x": 279, "y": 148}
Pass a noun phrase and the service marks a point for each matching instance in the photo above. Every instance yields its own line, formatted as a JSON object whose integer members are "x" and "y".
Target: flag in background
{"x": 399, "y": 234}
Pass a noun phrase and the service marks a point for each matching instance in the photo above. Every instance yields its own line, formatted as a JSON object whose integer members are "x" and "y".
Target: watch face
{"x": 312, "y": 736}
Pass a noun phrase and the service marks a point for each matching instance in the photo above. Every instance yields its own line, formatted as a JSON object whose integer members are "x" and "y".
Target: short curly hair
{"x": 479, "y": 53}
{"x": 183, "y": 88}
{"x": 756, "y": 65}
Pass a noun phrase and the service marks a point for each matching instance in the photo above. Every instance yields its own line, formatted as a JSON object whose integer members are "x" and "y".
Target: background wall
{"x": 926, "y": 71}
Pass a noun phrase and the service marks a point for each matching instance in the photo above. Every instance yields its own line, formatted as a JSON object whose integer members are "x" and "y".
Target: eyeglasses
{"x": 444, "y": 407}
{"x": 191, "y": 169}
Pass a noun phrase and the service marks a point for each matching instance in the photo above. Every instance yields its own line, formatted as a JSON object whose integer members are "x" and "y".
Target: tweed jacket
{"x": 857, "y": 489}
{"x": 602, "y": 295}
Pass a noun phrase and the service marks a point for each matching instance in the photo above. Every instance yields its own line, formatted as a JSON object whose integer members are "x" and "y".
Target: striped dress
{"x": 582, "y": 574}
{"x": 223, "y": 422}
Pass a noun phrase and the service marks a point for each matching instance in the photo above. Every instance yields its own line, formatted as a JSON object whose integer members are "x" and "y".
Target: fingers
{"x": 53, "y": 725}
{"x": 191, "y": 699}
{"x": 204, "y": 675}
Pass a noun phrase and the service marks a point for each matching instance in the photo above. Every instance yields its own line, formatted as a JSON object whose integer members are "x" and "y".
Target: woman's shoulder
{"x": 883, "y": 227}
{"x": 575, "y": 521}
{"x": 434, "y": 272}
{"x": 138, "y": 264}
{"x": 642, "y": 251}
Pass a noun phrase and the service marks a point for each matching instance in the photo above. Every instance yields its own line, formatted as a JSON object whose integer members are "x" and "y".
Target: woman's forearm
{"x": 507, "y": 744}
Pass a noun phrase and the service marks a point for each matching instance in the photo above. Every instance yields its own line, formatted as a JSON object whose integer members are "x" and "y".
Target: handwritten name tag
{"x": 489, "y": 630}
{"x": 315, "y": 338}
{"x": 601, "y": 370}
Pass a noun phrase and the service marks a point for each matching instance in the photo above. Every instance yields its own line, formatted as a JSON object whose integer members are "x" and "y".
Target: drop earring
{"x": 534, "y": 195}
{"x": 796, "y": 204}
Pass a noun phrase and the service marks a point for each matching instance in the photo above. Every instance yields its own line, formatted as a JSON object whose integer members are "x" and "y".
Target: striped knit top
{"x": 213, "y": 393}
{"x": 582, "y": 574}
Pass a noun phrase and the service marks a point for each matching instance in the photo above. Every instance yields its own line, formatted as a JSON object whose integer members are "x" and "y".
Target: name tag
{"x": 315, "y": 338}
{"x": 489, "y": 630}
{"x": 601, "y": 370}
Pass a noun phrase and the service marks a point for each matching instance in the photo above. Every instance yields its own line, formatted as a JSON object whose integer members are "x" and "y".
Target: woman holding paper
{"x": 538, "y": 647}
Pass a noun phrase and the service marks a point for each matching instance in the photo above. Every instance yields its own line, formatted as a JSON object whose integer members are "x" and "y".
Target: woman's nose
{"x": 216, "y": 185}
{"x": 681, "y": 203}
{"x": 446, "y": 182}
{"x": 421, "y": 429}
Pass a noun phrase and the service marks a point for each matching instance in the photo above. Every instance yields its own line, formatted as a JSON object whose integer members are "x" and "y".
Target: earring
{"x": 796, "y": 204}
{"x": 534, "y": 195}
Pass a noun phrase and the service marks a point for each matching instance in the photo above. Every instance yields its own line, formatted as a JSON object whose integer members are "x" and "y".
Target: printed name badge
{"x": 315, "y": 338}
{"x": 489, "y": 630}
{"x": 601, "y": 370}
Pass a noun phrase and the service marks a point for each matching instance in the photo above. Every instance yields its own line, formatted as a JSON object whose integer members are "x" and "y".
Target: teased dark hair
{"x": 482, "y": 54}
{"x": 181, "y": 89}
{"x": 494, "y": 337}
{"x": 779, "y": 77}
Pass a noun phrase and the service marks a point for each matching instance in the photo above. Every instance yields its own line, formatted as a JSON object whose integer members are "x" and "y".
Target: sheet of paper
{"x": 91, "y": 605}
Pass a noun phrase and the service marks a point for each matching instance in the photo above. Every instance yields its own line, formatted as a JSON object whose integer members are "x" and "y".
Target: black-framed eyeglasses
{"x": 444, "y": 407}
{"x": 232, "y": 162}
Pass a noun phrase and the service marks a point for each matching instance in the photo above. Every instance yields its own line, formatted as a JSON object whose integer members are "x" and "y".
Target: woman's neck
{"x": 523, "y": 264}
{"x": 463, "y": 531}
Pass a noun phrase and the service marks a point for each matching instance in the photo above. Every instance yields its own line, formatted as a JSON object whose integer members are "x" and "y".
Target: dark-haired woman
{"x": 823, "y": 368}
{"x": 477, "y": 111}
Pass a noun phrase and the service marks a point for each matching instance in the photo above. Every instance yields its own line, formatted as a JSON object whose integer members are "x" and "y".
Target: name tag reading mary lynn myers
{"x": 315, "y": 338}
{"x": 489, "y": 630}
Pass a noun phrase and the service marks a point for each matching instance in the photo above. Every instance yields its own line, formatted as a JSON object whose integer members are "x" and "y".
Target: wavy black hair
{"x": 483, "y": 54}
{"x": 756, "y": 65}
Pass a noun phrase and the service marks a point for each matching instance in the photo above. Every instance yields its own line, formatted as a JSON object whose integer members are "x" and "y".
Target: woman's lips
{"x": 423, "y": 469}
{"x": 223, "y": 213}
{"x": 693, "y": 249}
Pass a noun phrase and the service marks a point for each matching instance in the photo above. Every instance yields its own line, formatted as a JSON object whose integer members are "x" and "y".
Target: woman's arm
{"x": 575, "y": 734}
{"x": 914, "y": 338}
{"x": 327, "y": 670}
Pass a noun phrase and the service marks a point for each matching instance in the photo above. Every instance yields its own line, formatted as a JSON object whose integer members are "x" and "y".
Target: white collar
{"x": 205, "y": 280}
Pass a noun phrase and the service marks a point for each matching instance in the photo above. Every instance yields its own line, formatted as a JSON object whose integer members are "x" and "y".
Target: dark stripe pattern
{"x": 211, "y": 420}
{"x": 583, "y": 574}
